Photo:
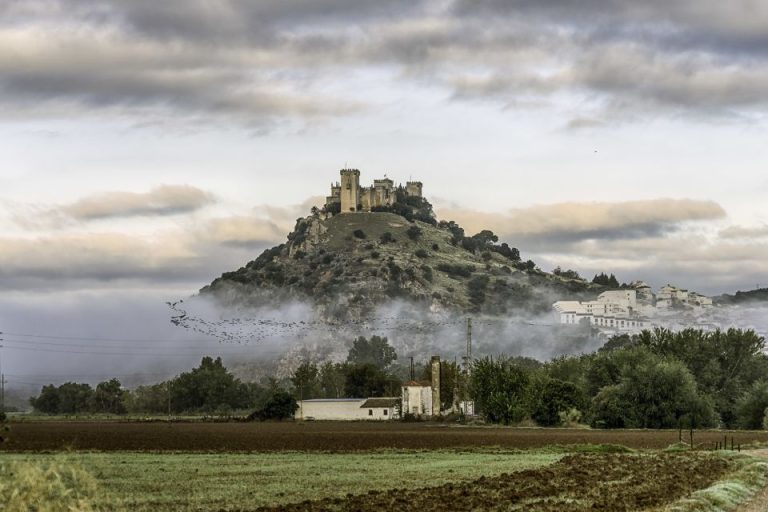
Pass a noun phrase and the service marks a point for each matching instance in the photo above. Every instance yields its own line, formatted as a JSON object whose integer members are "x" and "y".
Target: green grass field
{"x": 182, "y": 481}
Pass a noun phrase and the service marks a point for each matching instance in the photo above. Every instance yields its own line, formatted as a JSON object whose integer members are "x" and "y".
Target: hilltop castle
{"x": 354, "y": 198}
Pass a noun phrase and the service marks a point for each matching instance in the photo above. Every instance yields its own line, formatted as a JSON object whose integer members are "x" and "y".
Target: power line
{"x": 141, "y": 354}
{"x": 104, "y": 339}
{"x": 95, "y": 345}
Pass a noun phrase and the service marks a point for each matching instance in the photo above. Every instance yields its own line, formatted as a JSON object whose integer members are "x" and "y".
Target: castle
{"x": 354, "y": 198}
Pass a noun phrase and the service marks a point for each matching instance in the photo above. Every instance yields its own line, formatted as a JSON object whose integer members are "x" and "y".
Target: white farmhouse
{"x": 349, "y": 409}
{"x": 417, "y": 398}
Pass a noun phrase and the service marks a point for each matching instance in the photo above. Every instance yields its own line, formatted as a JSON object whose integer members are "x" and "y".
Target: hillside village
{"x": 635, "y": 308}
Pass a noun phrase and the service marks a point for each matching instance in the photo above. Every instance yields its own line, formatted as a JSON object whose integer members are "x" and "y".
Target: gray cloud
{"x": 264, "y": 63}
{"x": 565, "y": 222}
{"x": 745, "y": 232}
{"x": 163, "y": 200}
{"x": 708, "y": 264}
{"x": 190, "y": 254}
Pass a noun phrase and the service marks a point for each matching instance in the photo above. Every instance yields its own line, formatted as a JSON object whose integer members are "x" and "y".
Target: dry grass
{"x": 46, "y": 487}
{"x": 727, "y": 494}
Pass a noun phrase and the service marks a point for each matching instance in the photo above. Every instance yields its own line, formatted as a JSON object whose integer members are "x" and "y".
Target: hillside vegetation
{"x": 349, "y": 263}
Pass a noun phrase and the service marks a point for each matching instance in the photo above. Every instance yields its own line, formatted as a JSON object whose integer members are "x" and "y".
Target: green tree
{"x": 605, "y": 280}
{"x": 74, "y": 398}
{"x": 109, "y": 397}
{"x": 279, "y": 405}
{"x": 751, "y": 407}
{"x": 651, "y": 393}
{"x": 47, "y": 402}
{"x": 365, "y": 380}
{"x": 332, "y": 377}
{"x": 305, "y": 380}
{"x": 375, "y": 351}
{"x": 208, "y": 388}
{"x": 553, "y": 398}
{"x": 499, "y": 388}
{"x": 724, "y": 363}
{"x": 148, "y": 399}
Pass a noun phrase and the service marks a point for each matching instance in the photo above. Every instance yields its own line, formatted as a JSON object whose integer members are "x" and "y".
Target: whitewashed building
{"x": 340, "y": 409}
{"x": 417, "y": 398}
{"x": 614, "y": 310}
{"x": 634, "y": 309}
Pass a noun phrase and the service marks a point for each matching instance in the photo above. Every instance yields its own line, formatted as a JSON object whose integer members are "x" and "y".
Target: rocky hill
{"x": 751, "y": 296}
{"x": 347, "y": 264}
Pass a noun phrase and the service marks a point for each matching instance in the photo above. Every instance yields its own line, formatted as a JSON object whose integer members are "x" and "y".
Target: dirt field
{"x": 324, "y": 436}
{"x": 607, "y": 482}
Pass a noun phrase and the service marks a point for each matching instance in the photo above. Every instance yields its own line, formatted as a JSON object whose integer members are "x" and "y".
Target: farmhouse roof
{"x": 334, "y": 400}
{"x": 418, "y": 383}
{"x": 380, "y": 402}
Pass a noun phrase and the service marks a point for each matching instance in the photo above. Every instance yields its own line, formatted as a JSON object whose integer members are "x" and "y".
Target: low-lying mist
{"x": 148, "y": 336}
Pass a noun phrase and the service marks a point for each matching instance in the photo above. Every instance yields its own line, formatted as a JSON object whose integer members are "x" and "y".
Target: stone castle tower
{"x": 350, "y": 190}
{"x": 353, "y": 198}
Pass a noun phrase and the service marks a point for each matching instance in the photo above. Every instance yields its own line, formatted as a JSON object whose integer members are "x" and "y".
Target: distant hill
{"x": 347, "y": 264}
{"x": 757, "y": 295}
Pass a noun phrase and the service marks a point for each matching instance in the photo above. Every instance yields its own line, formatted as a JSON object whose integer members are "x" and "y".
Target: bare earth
{"x": 324, "y": 436}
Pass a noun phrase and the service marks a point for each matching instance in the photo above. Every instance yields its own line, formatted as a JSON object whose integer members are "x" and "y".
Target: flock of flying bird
{"x": 244, "y": 330}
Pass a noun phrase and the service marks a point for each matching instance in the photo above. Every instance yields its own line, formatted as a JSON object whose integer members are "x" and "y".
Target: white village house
{"x": 634, "y": 309}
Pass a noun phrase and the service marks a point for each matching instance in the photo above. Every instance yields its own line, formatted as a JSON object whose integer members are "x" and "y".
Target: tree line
{"x": 656, "y": 379}
{"x": 212, "y": 389}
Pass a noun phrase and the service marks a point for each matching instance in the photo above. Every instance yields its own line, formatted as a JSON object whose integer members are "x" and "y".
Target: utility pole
{"x": 468, "y": 357}
{"x": 169, "y": 399}
{"x": 2, "y": 381}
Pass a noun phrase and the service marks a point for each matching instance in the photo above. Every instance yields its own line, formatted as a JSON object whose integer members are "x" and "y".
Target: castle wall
{"x": 354, "y": 198}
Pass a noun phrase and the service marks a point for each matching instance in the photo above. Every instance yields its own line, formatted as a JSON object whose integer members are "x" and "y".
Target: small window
{"x": 385, "y": 412}
{"x": 370, "y": 412}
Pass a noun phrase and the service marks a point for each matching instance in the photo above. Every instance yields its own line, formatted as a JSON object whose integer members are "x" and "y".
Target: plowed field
{"x": 607, "y": 482}
{"x": 322, "y": 436}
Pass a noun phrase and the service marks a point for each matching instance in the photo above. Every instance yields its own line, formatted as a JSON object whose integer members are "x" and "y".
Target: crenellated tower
{"x": 350, "y": 190}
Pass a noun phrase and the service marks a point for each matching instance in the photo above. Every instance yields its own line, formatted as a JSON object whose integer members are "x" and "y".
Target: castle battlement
{"x": 351, "y": 197}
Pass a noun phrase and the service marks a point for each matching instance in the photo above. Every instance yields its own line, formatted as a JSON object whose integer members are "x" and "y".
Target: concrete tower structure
{"x": 350, "y": 190}
{"x": 435, "y": 362}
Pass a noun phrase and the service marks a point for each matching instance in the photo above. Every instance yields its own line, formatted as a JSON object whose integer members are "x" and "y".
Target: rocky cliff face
{"x": 348, "y": 264}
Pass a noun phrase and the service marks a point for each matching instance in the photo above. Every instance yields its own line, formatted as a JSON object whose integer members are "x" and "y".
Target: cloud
{"x": 95, "y": 256}
{"x": 566, "y": 222}
{"x": 265, "y": 64}
{"x": 708, "y": 264}
{"x": 160, "y": 201}
{"x": 188, "y": 254}
{"x": 744, "y": 232}
{"x": 243, "y": 231}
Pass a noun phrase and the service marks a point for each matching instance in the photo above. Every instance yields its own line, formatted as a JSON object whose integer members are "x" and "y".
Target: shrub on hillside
{"x": 456, "y": 270}
{"x": 414, "y": 232}
{"x": 359, "y": 233}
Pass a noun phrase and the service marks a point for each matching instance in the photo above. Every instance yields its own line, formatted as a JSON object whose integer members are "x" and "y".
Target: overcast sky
{"x": 150, "y": 145}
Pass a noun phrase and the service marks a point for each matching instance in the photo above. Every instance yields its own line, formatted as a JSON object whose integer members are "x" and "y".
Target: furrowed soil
{"x": 325, "y": 436}
{"x": 606, "y": 482}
